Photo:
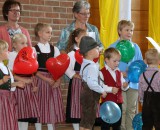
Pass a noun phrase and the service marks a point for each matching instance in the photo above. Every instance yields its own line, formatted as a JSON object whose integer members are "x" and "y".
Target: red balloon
{"x": 78, "y": 57}
{"x": 25, "y": 62}
{"x": 96, "y": 59}
{"x": 57, "y": 66}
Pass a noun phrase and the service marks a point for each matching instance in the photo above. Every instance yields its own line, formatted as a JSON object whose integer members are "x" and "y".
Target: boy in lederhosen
{"x": 91, "y": 89}
{"x": 149, "y": 91}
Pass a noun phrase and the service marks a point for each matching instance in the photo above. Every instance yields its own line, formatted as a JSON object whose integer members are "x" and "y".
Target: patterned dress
{"x": 49, "y": 98}
{"x": 8, "y": 113}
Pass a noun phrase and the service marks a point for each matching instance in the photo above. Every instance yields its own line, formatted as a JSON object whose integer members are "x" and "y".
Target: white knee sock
{"x": 19, "y": 125}
{"x": 75, "y": 126}
{"x": 38, "y": 126}
{"x": 23, "y": 125}
{"x": 51, "y": 126}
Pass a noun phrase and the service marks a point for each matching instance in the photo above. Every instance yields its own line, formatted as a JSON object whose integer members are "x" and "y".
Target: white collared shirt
{"x": 70, "y": 72}
{"x": 5, "y": 71}
{"x": 90, "y": 75}
{"x": 113, "y": 74}
{"x": 11, "y": 58}
{"x": 45, "y": 48}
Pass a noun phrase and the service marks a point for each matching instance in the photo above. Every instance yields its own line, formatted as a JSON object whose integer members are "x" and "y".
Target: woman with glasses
{"x": 81, "y": 11}
{"x": 11, "y": 13}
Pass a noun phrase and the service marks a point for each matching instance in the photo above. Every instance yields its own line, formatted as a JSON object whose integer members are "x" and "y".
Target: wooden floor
{"x": 61, "y": 127}
{"x": 58, "y": 127}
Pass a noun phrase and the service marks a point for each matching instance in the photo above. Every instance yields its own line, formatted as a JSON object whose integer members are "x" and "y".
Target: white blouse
{"x": 45, "y": 48}
{"x": 12, "y": 57}
{"x": 70, "y": 72}
{"x": 5, "y": 71}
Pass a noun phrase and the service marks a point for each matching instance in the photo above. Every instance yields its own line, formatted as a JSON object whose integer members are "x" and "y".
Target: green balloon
{"x": 126, "y": 49}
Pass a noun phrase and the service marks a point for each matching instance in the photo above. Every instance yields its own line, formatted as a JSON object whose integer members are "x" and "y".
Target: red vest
{"x": 108, "y": 80}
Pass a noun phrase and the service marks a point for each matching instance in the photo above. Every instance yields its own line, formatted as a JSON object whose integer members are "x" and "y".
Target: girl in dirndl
{"x": 8, "y": 113}
{"x": 73, "y": 109}
{"x": 49, "y": 94}
{"x": 27, "y": 103}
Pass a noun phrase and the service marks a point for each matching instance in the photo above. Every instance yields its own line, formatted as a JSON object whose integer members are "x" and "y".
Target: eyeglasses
{"x": 15, "y": 11}
{"x": 85, "y": 14}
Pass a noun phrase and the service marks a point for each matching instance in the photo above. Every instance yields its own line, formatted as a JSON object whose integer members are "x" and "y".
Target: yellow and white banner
{"x": 125, "y": 9}
{"x": 154, "y": 24}
{"x": 111, "y": 12}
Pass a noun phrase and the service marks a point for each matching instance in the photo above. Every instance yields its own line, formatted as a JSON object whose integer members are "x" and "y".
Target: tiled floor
{"x": 58, "y": 127}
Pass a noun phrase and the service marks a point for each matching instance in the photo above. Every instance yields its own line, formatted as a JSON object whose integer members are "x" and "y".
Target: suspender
{"x": 149, "y": 83}
{"x": 85, "y": 67}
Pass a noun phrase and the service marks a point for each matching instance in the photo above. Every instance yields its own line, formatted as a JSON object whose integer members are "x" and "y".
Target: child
{"x": 91, "y": 89}
{"x": 73, "y": 109}
{"x": 125, "y": 32}
{"x": 8, "y": 113}
{"x": 27, "y": 102}
{"x": 149, "y": 91}
{"x": 49, "y": 94}
{"x": 114, "y": 81}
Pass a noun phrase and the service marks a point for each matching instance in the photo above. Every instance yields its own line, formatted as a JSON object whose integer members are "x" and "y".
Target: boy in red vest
{"x": 114, "y": 83}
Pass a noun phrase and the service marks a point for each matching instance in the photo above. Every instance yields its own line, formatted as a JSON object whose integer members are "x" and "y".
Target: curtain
{"x": 154, "y": 23}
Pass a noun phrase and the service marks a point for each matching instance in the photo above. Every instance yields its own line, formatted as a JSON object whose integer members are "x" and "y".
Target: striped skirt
{"x": 75, "y": 98}
{"x": 27, "y": 102}
{"x": 8, "y": 113}
{"x": 73, "y": 110}
{"x": 50, "y": 102}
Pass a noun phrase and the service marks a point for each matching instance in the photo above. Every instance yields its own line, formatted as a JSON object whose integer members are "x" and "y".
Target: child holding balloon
{"x": 114, "y": 84}
{"x": 91, "y": 92}
{"x": 73, "y": 109}
{"x": 8, "y": 113}
{"x": 27, "y": 102}
{"x": 49, "y": 94}
{"x": 125, "y": 31}
{"x": 149, "y": 91}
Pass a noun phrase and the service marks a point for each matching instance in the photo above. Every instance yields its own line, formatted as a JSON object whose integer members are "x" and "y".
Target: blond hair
{"x": 152, "y": 56}
{"x": 108, "y": 53}
{"x": 39, "y": 27}
{"x": 3, "y": 45}
{"x": 124, "y": 23}
{"x": 18, "y": 37}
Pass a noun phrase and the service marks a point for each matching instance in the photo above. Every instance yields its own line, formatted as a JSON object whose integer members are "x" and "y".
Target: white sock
{"x": 19, "y": 125}
{"x": 75, "y": 126}
{"x": 38, "y": 126}
{"x": 24, "y": 126}
{"x": 51, "y": 126}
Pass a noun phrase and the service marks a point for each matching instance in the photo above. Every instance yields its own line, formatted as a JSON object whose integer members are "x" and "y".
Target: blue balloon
{"x": 137, "y": 122}
{"x": 135, "y": 69}
{"x": 110, "y": 112}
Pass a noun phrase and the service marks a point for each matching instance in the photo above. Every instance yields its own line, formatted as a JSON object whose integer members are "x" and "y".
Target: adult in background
{"x": 11, "y": 13}
{"x": 81, "y": 11}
